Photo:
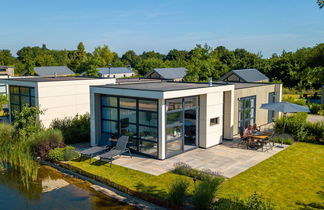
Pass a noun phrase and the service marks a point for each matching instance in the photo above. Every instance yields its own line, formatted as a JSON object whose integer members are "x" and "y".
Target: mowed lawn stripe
{"x": 293, "y": 175}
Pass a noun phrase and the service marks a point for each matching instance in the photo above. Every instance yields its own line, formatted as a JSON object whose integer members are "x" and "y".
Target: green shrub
{"x": 293, "y": 124}
{"x": 46, "y": 140}
{"x": 63, "y": 153}
{"x": 285, "y": 140}
{"x": 254, "y": 202}
{"x": 204, "y": 192}
{"x": 293, "y": 99}
{"x": 315, "y": 108}
{"x": 70, "y": 153}
{"x": 186, "y": 170}
{"x": 178, "y": 192}
{"x": 315, "y": 131}
{"x": 75, "y": 130}
{"x": 56, "y": 154}
{"x": 297, "y": 126}
{"x": 26, "y": 122}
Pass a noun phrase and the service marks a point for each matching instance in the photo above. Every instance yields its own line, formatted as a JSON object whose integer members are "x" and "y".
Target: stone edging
{"x": 105, "y": 181}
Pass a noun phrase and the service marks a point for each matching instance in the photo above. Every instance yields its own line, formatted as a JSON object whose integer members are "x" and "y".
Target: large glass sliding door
{"x": 246, "y": 112}
{"x": 181, "y": 125}
{"x": 133, "y": 117}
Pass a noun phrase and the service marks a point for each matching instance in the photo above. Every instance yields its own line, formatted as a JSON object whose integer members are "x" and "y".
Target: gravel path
{"x": 315, "y": 118}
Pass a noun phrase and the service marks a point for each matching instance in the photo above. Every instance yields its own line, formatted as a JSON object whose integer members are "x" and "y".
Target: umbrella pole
{"x": 283, "y": 128}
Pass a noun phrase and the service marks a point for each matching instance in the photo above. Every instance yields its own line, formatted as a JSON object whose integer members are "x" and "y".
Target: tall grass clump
{"x": 178, "y": 192}
{"x": 204, "y": 192}
{"x": 15, "y": 151}
{"x": 74, "y": 129}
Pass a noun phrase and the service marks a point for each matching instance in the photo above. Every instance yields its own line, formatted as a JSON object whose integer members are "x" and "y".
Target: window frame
{"x": 137, "y": 109}
{"x": 241, "y": 118}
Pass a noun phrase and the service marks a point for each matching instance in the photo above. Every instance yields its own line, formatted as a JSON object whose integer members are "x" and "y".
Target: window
{"x": 272, "y": 99}
{"x": 246, "y": 112}
{"x": 21, "y": 96}
{"x": 214, "y": 121}
{"x": 133, "y": 117}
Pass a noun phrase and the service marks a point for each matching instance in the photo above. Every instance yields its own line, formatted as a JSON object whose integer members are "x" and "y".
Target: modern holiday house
{"x": 59, "y": 97}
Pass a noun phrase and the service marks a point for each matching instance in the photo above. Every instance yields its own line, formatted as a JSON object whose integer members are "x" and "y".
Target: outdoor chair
{"x": 93, "y": 151}
{"x": 96, "y": 150}
{"x": 242, "y": 139}
{"x": 120, "y": 148}
{"x": 269, "y": 143}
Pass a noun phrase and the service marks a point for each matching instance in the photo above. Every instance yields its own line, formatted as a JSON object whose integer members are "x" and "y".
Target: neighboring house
{"x": 248, "y": 99}
{"x": 116, "y": 72}
{"x": 50, "y": 71}
{"x": 162, "y": 118}
{"x": 7, "y": 71}
{"x": 3, "y": 87}
{"x": 59, "y": 97}
{"x": 244, "y": 75}
{"x": 174, "y": 74}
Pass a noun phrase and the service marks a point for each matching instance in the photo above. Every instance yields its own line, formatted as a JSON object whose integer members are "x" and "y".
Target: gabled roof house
{"x": 49, "y": 71}
{"x": 174, "y": 74}
{"x": 244, "y": 75}
{"x": 116, "y": 72}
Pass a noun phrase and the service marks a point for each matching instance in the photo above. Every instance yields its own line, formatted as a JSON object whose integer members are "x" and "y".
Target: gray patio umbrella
{"x": 284, "y": 107}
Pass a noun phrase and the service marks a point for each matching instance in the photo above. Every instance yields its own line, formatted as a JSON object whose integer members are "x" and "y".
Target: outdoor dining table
{"x": 260, "y": 137}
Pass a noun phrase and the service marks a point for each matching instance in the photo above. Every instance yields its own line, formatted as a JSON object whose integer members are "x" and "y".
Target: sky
{"x": 265, "y": 26}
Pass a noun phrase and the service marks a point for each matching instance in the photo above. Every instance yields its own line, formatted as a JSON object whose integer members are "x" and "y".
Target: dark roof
{"x": 247, "y": 75}
{"x": 170, "y": 73}
{"x": 242, "y": 85}
{"x": 49, "y": 79}
{"x": 135, "y": 80}
{"x": 52, "y": 70}
{"x": 115, "y": 70}
{"x": 161, "y": 86}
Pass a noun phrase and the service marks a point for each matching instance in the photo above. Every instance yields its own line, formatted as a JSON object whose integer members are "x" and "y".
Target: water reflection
{"x": 52, "y": 190}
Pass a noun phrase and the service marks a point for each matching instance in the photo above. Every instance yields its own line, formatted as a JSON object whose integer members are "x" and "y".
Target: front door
{"x": 190, "y": 129}
{"x": 246, "y": 112}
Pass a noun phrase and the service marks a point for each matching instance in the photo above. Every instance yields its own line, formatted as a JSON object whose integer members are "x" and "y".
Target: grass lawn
{"x": 291, "y": 179}
{"x": 135, "y": 180}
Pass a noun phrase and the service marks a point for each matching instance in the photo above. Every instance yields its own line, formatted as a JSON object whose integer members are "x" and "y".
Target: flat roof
{"x": 161, "y": 86}
{"x": 49, "y": 79}
{"x": 241, "y": 85}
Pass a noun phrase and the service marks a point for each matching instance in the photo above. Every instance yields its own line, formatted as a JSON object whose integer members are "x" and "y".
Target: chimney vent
{"x": 210, "y": 81}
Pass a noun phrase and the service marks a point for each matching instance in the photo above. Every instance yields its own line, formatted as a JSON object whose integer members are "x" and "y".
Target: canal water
{"x": 52, "y": 190}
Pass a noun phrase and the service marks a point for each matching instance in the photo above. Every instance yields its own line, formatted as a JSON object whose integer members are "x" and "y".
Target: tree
{"x": 177, "y": 55}
{"x": 320, "y": 3}
{"x": 104, "y": 55}
{"x": 92, "y": 71}
{"x": 44, "y": 60}
{"x": 6, "y": 58}
{"x": 29, "y": 67}
{"x": 131, "y": 58}
{"x": 26, "y": 122}
{"x": 152, "y": 54}
{"x": 77, "y": 58}
{"x": 149, "y": 64}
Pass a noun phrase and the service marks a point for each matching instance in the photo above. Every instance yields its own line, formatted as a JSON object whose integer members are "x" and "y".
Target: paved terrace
{"x": 228, "y": 159}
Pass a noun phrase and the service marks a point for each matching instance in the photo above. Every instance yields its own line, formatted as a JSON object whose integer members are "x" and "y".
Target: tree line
{"x": 303, "y": 68}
